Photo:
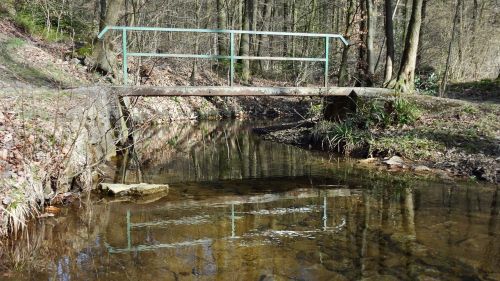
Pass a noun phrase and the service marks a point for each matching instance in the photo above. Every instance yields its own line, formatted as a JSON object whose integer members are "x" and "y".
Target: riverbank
{"x": 448, "y": 137}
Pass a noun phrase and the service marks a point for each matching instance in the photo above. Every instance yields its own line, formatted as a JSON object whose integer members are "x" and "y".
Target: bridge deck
{"x": 158, "y": 91}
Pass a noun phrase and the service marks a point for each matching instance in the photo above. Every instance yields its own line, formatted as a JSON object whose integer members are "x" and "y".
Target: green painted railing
{"x": 232, "y": 56}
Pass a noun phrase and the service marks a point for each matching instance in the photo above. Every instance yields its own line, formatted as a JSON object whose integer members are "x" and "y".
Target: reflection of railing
{"x": 232, "y": 56}
{"x": 233, "y": 216}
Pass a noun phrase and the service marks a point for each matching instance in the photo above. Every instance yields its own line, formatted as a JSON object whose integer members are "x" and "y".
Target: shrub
{"x": 343, "y": 136}
{"x": 427, "y": 82}
{"x": 354, "y": 132}
{"x": 315, "y": 110}
{"x": 376, "y": 113}
{"x": 405, "y": 111}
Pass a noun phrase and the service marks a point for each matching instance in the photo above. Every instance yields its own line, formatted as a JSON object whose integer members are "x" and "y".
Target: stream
{"x": 241, "y": 208}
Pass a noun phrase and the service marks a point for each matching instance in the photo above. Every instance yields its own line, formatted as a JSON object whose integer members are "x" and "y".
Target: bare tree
{"x": 105, "y": 59}
{"x": 444, "y": 81}
{"x": 349, "y": 19}
{"x": 406, "y": 75}
{"x": 245, "y": 40}
{"x": 389, "y": 37}
{"x": 371, "y": 27}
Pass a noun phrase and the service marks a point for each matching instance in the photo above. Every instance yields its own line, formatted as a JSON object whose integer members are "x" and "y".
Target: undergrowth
{"x": 356, "y": 130}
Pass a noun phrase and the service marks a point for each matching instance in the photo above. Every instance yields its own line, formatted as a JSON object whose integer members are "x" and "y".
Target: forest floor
{"x": 457, "y": 136}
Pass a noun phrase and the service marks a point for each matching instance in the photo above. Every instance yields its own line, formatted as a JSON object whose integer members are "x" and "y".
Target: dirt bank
{"x": 448, "y": 137}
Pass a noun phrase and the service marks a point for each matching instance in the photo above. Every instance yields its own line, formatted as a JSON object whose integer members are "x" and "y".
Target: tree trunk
{"x": 404, "y": 15}
{"x": 221, "y": 24}
{"x": 241, "y": 11}
{"x": 475, "y": 24}
{"x": 253, "y": 26}
{"x": 343, "y": 71}
{"x": 105, "y": 58}
{"x": 370, "y": 38}
{"x": 406, "y": 75}
{"x": 460, "y": 34}
{"x": 245, "y": 42}
{"x": 286, "y": 16}
{"x": 362, "y": 67}
{"x": 420, "y": 45}
{"x": 102, "y": 14}
{"x": 294, "y": 29}
{"x": 267, "y": 10}
{"x": 389, "y": 37}
{"x": 194, "y": 71}
{"x": 442, "y": 88}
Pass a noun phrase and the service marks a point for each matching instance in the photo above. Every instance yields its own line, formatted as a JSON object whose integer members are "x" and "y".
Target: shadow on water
{"x": 239, "y": 208}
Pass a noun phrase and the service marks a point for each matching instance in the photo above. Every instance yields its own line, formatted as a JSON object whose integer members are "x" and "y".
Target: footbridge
{"x": 231, "y": 89}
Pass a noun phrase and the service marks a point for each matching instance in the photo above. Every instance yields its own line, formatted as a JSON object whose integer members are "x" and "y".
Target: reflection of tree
{"x": 46, "y": 245}
{"x": 209, "y": 151}
{"x": 491, "y": 258}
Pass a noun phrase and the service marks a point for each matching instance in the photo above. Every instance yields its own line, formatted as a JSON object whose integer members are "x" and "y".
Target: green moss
{"x": 14, "y": 43}
{"x": 85, "y": 51}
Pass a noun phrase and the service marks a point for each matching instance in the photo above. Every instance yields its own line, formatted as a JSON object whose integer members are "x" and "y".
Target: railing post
{"x": 327, "y": 51}
{"x": 129, "y": 239}
{"x": 124, "y": 50}
{"x": 231, "y": 74}
{"x": 325, "y": 217}
{"x": 233, "y": 228}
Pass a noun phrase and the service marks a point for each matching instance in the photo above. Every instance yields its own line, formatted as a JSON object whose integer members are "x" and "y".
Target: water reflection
{"x": 238, "y": 207}
{"x": 287, "y": 214}
{"x": 207, "y": 151}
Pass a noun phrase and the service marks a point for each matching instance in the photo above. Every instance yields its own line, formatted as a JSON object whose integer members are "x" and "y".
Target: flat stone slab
{"x": 394, "y": 161}
{"x": 140, "y": 189}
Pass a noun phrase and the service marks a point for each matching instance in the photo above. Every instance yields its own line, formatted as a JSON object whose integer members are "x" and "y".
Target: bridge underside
{"x": 158, "y": 91}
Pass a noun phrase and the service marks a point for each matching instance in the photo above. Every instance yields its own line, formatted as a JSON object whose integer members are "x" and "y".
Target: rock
{"x": 421, "y": 168}
{"x": 6, "y": 201}
{"x": 118, "y": 189}
{"x": 367, "y": 160}
{"x": 4, "y": 154}
{"x": 52, "y": 210}
{"x": 443, "y": 175}
{"x": 394, "y": 161}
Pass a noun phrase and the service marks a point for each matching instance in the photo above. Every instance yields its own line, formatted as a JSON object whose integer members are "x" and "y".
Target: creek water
{"x": 241, "y": 208}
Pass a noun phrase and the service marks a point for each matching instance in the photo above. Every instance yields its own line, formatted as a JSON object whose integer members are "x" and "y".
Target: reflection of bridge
{"x": 233, "y": 202}
{"x": 326, "y": 90}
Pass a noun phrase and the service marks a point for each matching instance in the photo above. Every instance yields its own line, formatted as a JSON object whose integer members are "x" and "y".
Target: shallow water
{"x": 240, "y": 208}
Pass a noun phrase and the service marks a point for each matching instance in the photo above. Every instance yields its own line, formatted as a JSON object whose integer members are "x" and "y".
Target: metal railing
{"x": 232, "y": 55}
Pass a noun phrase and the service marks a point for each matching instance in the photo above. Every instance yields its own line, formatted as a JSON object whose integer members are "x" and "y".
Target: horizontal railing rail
{"x": 232, "y": 56}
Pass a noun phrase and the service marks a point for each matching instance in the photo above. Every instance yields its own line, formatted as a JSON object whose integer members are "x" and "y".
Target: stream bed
{"x": 241, "y": 208}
